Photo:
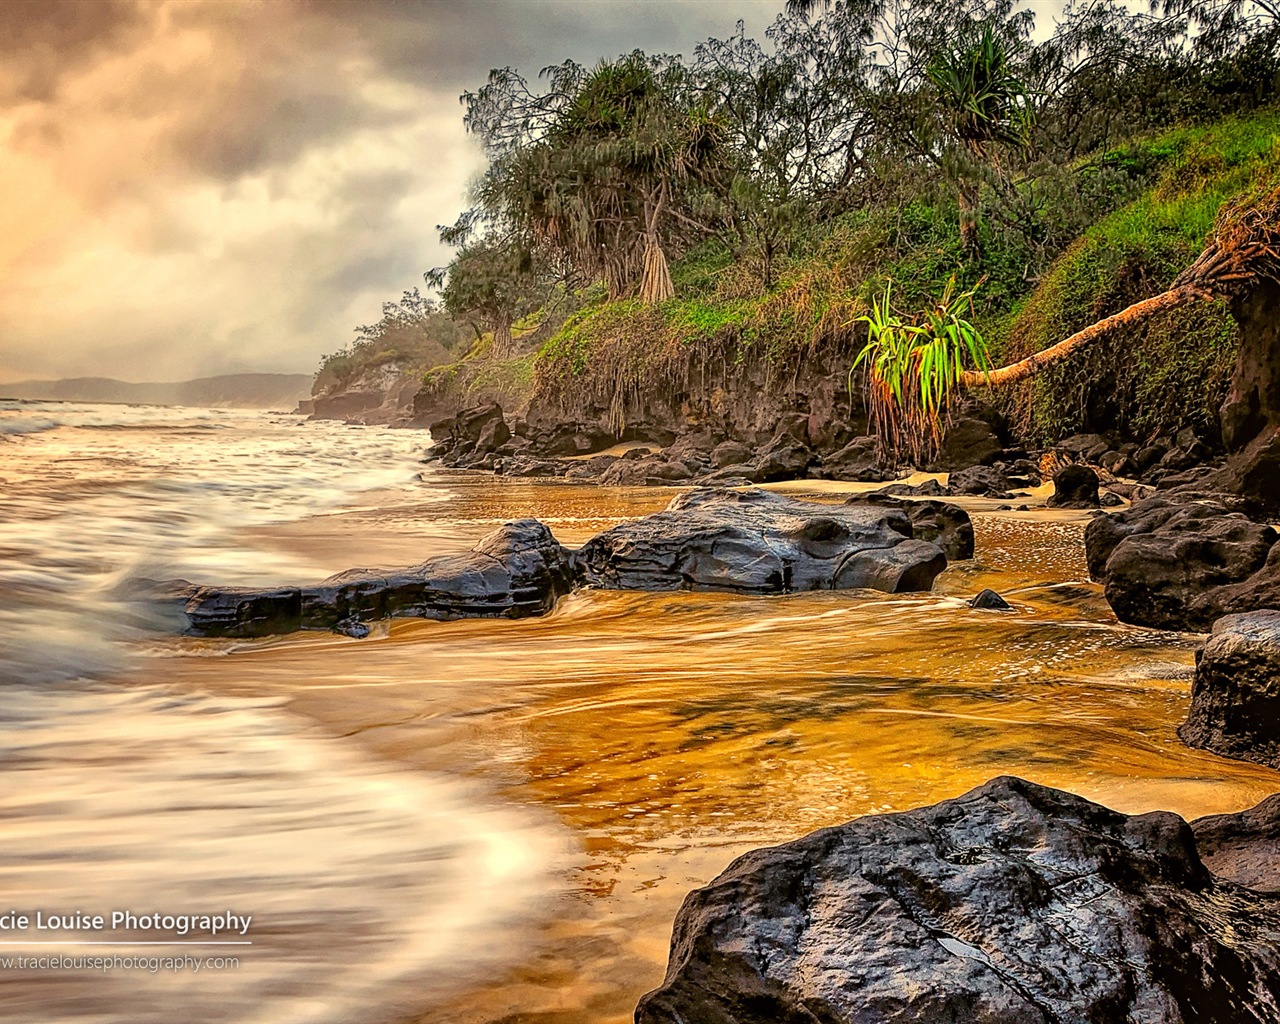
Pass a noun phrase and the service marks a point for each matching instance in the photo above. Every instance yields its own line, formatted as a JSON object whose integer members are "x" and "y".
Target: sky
{"x": 192, "y": 187}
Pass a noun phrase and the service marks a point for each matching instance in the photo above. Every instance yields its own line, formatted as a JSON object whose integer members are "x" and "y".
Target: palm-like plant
{"x": 912, "y": 365}
{"x": 984, "y": 104}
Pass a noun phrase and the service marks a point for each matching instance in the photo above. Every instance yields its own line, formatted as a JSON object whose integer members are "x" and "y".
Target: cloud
{"x": 213, "y": 187}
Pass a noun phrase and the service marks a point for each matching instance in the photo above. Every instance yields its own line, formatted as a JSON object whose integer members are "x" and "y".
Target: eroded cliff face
{"x": 381, "y": 394}
{"x": 743, "y": 398}
{"x": 1251, "y": 413}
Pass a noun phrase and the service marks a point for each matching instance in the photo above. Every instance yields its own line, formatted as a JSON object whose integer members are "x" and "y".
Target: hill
{"x": 229, "y": 391}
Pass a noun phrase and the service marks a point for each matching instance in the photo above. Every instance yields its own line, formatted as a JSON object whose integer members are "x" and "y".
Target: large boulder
{"x": 1235, "y": 698}
{"x": 516, "y": 571}
{"x": 1074, "y": 486}
{"x": 1013, "y": 904}
{"x": 1182, "y": 565}
{"x": 938, "y": 522}
{"x": 755, "y": 541}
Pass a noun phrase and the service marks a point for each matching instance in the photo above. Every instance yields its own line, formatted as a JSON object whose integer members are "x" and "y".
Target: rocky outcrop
{"x": 1013, "y": 904}
{"x": 1235, "y": 698}
{"x": 759, "y": 542}
{"x": 1181, "y": 565}
{"x": 381, "y": 393}
{"x": 1242, "y": 847}
{"x": 516, "y": 571}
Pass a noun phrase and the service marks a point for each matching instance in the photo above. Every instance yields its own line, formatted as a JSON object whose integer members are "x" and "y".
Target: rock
{"x": 938, "y": 522}
{"x": 1013, "y": 904}
{"x": 1145, "y": 458}
{"x": 1079, "y": 444}
{"x": 1109, "y": 499}
{"x": 989, "y": 600}
{"x": 1118, "y": 464}
{"x": 1235, "y": 698}
{"x": 352, "y": 627}
{"x": 1074, "y": 487}
{"x": 783, "y": 458}
{"x": 653, "y": 471}
{"x": 971, "y": 440}
{"x": 926, "y": 488}
{"x": 730, "y": 453}
{"x": 590, "y": 469}
{"x": 516, "y": 571}
{"x": 729, "y": 476}
{"x": 1242, "y": 847}
{"x": 527, "y": 465}
{"x": 1177, "y": 565}
{"x": 755, "y": 541}
{"x": 984, "y": 481}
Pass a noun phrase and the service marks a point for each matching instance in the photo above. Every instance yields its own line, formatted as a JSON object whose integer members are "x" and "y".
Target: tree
{"x": 985, "y": 105}
{"x": 491, "y": 283}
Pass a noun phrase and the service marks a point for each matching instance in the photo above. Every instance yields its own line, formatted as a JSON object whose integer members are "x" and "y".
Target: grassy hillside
{"x": 1126, "y": 222}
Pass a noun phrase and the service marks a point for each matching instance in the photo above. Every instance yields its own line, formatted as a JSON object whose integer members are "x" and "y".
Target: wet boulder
{"x": 755, "y": 541}
{"x": 1182, "y": 565}
{"x": 1074, "y": 486}
{"x": 1013, "y": 904}
{"x": 1235, "y": 698}
{"x": 516, "y": 571}
{"x": 989, "y": 601}
{"x": 938, "y": 522}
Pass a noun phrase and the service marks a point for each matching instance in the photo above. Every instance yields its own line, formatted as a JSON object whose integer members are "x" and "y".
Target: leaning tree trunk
{"x": 1037, "y": 361}
{"x": 1242, "y": 257}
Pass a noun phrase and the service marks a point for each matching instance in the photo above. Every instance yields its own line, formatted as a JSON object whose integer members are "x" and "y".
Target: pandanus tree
{"x": 491, "y": 283}
{"x": 917, "y": 364}
{"x": 597, "y": 171}
{"x": 984, "y": 106}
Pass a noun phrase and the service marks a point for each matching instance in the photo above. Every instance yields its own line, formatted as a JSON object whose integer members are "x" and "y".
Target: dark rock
{"x": 758, "y": 542}
{"x": 727, "y": 476}
{"x": 1194, "y": 454}
{"x": 527, "y": 465}
{"x": 1235, "y": 698}
{"x": 794, "y": 425}
{"x": 1118, "y": 464}
{"x": 971, "y": 440}
{"x": 1013, "y": 904}
{"x": 938, "y": 522}
{"x": 1109, "y": 499}
{"x": 981, "y": 481}
{"x": 516, "y": 571}
{"x": 589, "y": 469}
{"x": 640, "y": 472}
{"x": 352, "y": 627}
{"x": 989, "y": 600}
{"x": 1177, "y": 565}
{"x": 1243, "y": 847}
{"x": 783, "y": 458}
{"x": 1074, "y": 487}
{"x": 1079, "y": 444}
{"x": 730, "y": 453}
{"x": 984, "y": 481}
{"x": 924, "y": 489}
{"x": 1145, "y": 458}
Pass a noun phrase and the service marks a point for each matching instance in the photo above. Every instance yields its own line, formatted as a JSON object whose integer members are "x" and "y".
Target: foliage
{"x": 414, "y": 333}
{"x": 912, "y": 366}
